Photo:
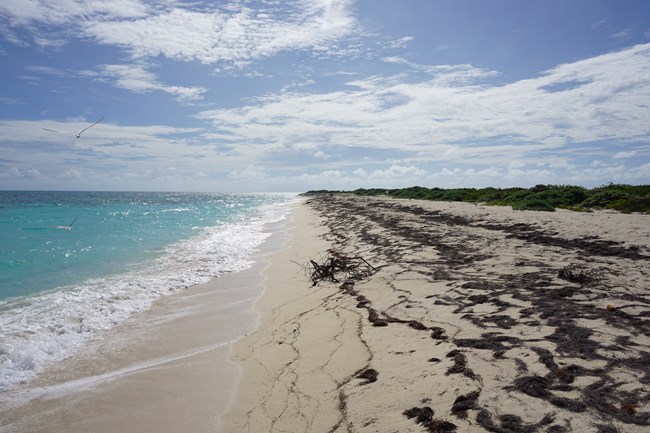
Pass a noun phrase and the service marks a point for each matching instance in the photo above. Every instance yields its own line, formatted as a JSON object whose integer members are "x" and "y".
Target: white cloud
{"x": 32, "y": 173}
{"x": 492, "y": 176}
{"x": 18, "y": 134}
{"x": 397, "y": 171}
{"x": 442, "y": 122}
{"x": 138, "y": 79}
{"x": 488, "y": 172}
{"x": 445, "y": 47}
{"x": 598, "y": 24}
{"x": 446, "y": 121}
{"x": 401, "y": 42}
{"x": 47, "y": 42}
{"x": 46, "y": 70}
{"x": 133, "y": 77}
{"x": 109, "y": 154}
{"x": 528, "y": 176}
{"x": 326, "y": 177}
{"x": 623, "y": 34}
{"x": 250, "y": 172}
{"x": 446, "y": 172}
{"x": 623, "y": 155}
{"x": 70, "y": 174}
{"x": 321, "y": 155}
{"x": 52, "y": 23}
{"x": 234, "y": 35}
{"x": 53, "y": 12}
{"x": 10, "y": 101}
{"x": 617, "y": 173}
{"x": 446, "y": 75}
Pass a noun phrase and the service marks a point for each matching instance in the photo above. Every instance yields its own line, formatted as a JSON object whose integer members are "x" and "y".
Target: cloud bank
{"x": 449, "y": 118}
{"x": 585, "y": 121}
{"x": 225, "y": 32}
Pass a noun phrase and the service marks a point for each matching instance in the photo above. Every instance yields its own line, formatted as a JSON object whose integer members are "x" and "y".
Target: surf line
{"x": 59, "y": 390}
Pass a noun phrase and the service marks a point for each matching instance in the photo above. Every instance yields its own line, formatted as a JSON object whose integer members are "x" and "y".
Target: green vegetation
{"x": 623, "y": 198}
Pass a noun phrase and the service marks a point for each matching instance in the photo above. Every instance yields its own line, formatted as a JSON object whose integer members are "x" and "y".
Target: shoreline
{"x": 462, "y": 323}
{"x": 263, "y": 354}
{"x": 165, "y": 369}
{"x": 474, "y": 320}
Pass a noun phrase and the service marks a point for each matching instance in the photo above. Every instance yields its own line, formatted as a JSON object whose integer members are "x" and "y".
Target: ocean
{"x": 73, "y": 264}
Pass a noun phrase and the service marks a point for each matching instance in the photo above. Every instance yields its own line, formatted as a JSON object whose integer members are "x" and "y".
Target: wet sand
{"x": 470, "y": 318}
{"x": 164, "y": 370}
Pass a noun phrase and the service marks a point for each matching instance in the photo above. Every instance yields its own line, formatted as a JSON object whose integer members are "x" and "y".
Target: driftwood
{"x": 338, "y": 267}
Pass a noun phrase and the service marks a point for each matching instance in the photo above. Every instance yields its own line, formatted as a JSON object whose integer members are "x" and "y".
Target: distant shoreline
{"x": 620, "y": 197}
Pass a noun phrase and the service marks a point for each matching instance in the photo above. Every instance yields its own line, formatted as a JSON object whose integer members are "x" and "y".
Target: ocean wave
{"x": 42, "y": 329}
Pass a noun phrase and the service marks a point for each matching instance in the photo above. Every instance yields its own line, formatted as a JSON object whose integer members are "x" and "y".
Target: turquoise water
{"x": 75, "y": 263}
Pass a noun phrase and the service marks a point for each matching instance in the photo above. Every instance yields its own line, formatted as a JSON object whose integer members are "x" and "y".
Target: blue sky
{"x": 267, "y": 95}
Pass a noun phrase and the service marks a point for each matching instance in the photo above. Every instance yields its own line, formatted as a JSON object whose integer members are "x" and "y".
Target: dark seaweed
{"x": 552, "y": 299}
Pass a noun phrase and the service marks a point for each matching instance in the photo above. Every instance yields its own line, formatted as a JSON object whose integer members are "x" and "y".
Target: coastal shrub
{"x": 578, "y": 194}
{"x": 564, "y": 196}
{"x": 533, "y": 203}
{"x": 631, "y": 204}
{"x": 416, "y": 192}
{"x": 623, "y": 198}
{"x": 461, "y": 194}
{"x": 487, "y": 195}
{"x": 372, "y": 191}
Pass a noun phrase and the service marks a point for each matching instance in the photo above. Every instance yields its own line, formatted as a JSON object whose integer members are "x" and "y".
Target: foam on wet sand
{"x": 164, "y": 370}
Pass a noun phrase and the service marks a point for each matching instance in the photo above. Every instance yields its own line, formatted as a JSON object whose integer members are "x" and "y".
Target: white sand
{"x": 479, "y": 327}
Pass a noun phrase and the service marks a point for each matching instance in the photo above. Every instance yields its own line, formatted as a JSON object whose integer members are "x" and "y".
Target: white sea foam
{"x": 60, "y": 389}
{"x": 46, "y": 328}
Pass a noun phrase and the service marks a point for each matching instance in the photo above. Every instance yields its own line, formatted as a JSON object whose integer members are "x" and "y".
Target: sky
{"x": 270, "y": 95}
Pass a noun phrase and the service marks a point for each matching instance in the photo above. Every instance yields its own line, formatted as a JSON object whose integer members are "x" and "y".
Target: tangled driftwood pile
{"x": 338, "y": 267}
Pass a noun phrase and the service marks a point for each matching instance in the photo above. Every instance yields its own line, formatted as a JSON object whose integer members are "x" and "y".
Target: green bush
{"x": 631, "y": 204}
{"x": 533, "y": 203}
{"x": 624, "y": 198}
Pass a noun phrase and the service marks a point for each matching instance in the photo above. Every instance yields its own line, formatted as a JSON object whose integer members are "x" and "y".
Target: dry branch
{"x": 338, "y": 267}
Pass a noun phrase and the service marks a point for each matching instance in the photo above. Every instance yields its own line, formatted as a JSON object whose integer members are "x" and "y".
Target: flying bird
{"x": 78, "y": 134}
{"x": 73, "y": 221}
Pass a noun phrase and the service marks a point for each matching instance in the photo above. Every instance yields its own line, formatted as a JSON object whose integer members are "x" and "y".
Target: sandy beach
{"x": 438, "y": 317}
{"x": 164, "y": 370}
{"x": 450, "y": 317}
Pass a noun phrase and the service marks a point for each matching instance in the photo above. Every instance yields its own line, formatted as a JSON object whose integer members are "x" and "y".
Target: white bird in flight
{"x": 68, "y": 228}
{"x": 77, "y": 134}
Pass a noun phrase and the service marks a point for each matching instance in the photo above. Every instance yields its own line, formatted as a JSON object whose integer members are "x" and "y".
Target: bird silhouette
{"x": 76, "y": 134}
{"x": 68, "y": 228}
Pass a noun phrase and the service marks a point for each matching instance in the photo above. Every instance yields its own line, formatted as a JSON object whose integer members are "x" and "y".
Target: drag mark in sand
{"x": 489, "y": 293}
